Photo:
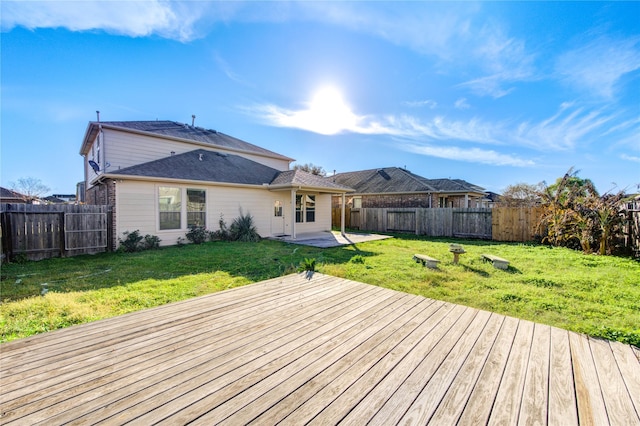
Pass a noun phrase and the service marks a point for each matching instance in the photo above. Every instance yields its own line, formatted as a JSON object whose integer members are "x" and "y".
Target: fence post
{"x": 7, "y": 237}
{"x": 61, "y": 229}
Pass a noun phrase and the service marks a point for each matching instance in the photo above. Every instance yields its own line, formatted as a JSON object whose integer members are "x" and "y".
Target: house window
{"x": 442, "y": 202}
{"x": 196, "y": 208}
{"x": 310, "y": 208}
{"x": 170, "y": 207}
{"x": 357, "y": 202}
{"x": 305, "y": 208}
{"x": 277, "y": 209}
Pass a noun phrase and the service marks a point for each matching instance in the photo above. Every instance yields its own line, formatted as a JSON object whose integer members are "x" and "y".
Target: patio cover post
{"x": 342, "y": 214}
{"x": 293, "y": 214}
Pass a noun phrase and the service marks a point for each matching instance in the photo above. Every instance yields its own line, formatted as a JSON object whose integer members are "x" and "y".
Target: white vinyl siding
{"x": 127, "y": 149}
{"x": 137, "y": 209}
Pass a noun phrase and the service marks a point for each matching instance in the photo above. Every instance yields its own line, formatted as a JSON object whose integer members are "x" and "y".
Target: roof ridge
{"x": 413, "y": 177}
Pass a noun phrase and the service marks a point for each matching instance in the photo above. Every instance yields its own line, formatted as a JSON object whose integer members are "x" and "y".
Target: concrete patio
{"x": 330, "y": 238}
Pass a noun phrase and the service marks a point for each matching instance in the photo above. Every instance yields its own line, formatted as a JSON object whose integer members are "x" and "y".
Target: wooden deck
{"x": 319, "y": 351}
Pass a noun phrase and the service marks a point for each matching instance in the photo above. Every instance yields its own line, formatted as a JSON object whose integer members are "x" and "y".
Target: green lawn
{"x": 590, "y": 294}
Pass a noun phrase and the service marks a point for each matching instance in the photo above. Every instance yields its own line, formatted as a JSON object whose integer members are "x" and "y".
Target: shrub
{"x": 243, "y": 229}
{"x": 197, "y": 235}
{"x": 222, "y": 234}
{"x": 151, "y": 242}
{"x": 308, "y": 264}
{"x": 133, "y": 242}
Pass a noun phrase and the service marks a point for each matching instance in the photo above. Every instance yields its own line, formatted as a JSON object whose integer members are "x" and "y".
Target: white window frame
{"x": 184, "y": 207}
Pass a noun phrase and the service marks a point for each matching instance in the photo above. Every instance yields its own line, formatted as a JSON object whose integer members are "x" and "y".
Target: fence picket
{"x": 500, "y": 224}
{"x": 44, "y": 231}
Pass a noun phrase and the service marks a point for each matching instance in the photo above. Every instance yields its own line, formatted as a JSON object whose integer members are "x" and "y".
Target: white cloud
{"x": 462, "y": 104}
{"x": 471, "y": 155}
{"x": 427, "y": 27}
{"x": 565, "y": 130}
{"x": 130, "y": 18}
{"x": 633, "y": 158}
{"x": 597, "y": 67}
{"x": 344, "y": 120}
{"x": 570, "y": 129}
{"x": 428, "y": 103}
{"x": 228, "y": 71}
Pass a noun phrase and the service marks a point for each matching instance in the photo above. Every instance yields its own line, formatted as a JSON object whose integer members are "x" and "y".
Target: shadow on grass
{"x": 252, "y": 261}
{"x": 480, "y": 272}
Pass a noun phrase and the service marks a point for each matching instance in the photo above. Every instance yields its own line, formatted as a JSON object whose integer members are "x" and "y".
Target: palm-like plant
{"x": 576, "y": 213}
{"x": 243, "y": 229}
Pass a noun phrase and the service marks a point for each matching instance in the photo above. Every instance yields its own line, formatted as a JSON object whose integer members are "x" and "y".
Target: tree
{"x": 310, "y": 168}
{"x": 31, "y": 188}
{"x": 521, "y": 195}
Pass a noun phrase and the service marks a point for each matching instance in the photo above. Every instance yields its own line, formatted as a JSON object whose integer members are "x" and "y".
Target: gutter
{"x": 325, "y": 189}
{"x": 154, "y": 179}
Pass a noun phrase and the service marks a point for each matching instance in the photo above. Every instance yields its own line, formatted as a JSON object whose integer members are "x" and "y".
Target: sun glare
{"x": 328, "y": 113}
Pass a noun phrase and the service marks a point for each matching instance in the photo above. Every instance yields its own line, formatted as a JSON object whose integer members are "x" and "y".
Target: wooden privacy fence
{"x": 43, "y": 231}
{"x": 500, "y": 224}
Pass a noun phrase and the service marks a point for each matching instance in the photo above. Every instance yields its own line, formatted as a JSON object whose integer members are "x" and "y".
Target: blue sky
{"x": 494, "y": 93}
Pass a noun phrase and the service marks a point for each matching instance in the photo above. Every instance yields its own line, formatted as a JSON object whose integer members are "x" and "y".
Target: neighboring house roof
{"x": 455, "y": 185}
{"x": 215, "y": 167}
{"x": 386, "y": 180}
{"x": 179, "y": 131}
{"x": 300, "y": 178}
{"x": 54, "y": 200}
{"x": 7, "y": 195}
{"x": 390, "y": 180}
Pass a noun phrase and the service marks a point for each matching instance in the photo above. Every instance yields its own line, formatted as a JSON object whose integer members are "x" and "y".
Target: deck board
{"x": 323, "y": 351}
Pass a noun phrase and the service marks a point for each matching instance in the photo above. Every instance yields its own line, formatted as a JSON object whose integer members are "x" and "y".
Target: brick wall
{"x": 103, "y": 194}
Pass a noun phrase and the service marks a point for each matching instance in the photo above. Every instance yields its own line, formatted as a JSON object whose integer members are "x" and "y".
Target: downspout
{"x": 342, "y": 213}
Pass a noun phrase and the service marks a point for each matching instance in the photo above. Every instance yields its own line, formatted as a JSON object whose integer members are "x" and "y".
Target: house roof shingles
{"x": 386, "y": 180}
{"x": 305, "y": 179}
{"x": 215, "y": 167}
{"x": 173, "y": 129}
{"x": 400, "y": 181}
{"x": 206, "y": 166}
{"x": 9, "y": 195}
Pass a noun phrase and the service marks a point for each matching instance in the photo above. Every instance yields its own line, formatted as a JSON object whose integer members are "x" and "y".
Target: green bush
{"x": 133, "y": 242}
{"x": 197, "y": 234}
{"x": 243, "y": 229}
{"x": 222, "y": 234}
{"x": 151, "y": 242}
{"x": 308, "y": 265}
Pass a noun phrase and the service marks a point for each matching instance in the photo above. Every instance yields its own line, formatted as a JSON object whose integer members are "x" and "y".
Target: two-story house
{"x": 163, "y": 177}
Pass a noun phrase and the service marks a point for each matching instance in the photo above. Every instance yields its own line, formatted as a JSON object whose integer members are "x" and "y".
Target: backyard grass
{"x": 596, "y": 295}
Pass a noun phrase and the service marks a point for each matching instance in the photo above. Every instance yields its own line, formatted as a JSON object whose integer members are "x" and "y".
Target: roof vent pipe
{"x": 193, "y": 120}
{"x": 200, "y": 157}
{"x": 98, "y": 114}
